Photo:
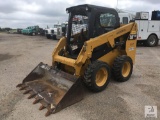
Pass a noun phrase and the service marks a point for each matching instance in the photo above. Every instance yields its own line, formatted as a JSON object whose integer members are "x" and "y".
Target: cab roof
{"x": 83, "y": 7}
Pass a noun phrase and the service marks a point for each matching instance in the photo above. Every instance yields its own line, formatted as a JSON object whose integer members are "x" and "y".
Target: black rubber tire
{"x": 54, "y": 37}
{"x": 90, "y": 76}
{"x": 140, "y": 43}
{"x": 151, "y": 38}
{"x": 118, "y": 66}
{"x": 48, "y": 36}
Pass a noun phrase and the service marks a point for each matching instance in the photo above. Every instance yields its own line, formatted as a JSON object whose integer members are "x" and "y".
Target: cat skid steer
{"x": 84, "y": 59}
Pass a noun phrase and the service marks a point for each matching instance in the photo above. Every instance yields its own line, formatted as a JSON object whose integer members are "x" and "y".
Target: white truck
{"x": 60, "y": 31}
{"x": 78, "y": 24}
{"x": 52, "y": 32}
{"x": 125, "y": 18}
{"x": 49, "y": 33}
{"x": 148, "y": 30}
{"x": 56, "y": 32}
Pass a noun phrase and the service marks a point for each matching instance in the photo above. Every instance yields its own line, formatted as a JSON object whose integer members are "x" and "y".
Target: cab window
{"x": 107, "y": 20}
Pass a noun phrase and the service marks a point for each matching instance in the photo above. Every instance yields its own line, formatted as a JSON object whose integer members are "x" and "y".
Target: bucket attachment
{"x": 53, "y": 88}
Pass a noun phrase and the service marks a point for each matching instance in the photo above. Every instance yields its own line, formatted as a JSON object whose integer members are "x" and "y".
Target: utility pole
{"x": 117, "y": 4}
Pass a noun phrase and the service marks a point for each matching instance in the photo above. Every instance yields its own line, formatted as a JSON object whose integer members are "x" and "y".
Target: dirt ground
{"x": 19, "y": 54}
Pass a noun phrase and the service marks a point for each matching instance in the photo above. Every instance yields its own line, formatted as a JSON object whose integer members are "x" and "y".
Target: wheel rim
{"x": 101, "y": 77}
{"x": 152, "y": 41}
{"x": 126, "y": 69}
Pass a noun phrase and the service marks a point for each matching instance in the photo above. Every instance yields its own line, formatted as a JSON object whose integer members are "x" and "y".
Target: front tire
{"x": 140, "y": 42}
{"x": 97, "y": 76}
{"x": 48, "y": 36}
{"x": 122, "y": 68}
{"x": 54, "y": 37}
{"x": 152, "y": 41}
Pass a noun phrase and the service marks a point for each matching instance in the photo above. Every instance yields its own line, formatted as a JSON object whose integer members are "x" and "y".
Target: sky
{"x": 24, "y": 13}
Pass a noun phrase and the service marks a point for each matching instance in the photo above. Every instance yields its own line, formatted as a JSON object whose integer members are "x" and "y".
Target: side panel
{"x": 153, "y": 26}
{"x": 109, "y": 57}
{"x": 131, "y": 49}
{"x": 142, "y": 29}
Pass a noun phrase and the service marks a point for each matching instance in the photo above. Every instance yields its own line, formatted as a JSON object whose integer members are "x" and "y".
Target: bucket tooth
{"x": 23, "y": 87}
{"x": 48, "y": 113}
{"x": 37, "y": 100}
{"x": 41, "y": 107}
{"x": 27, "y": 91}
{"x": 19, "y": 85}
{"x": 32, "y": 95}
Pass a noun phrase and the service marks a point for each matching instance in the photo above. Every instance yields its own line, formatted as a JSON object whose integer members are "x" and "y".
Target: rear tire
{"x": 152, "y": 41}
{"x": 54, "y": 37}
{"x": 97, "y": 76}
{"x": 122, "y": 68}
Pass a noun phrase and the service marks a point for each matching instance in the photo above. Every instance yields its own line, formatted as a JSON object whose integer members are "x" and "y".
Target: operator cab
{"x": 88, "y": 21}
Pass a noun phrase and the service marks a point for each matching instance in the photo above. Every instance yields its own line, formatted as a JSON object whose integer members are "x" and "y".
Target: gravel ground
{"x": 19, "y": 54}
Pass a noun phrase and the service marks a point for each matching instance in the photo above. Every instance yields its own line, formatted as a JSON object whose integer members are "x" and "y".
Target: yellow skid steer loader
{"x": 88, "y": 57}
